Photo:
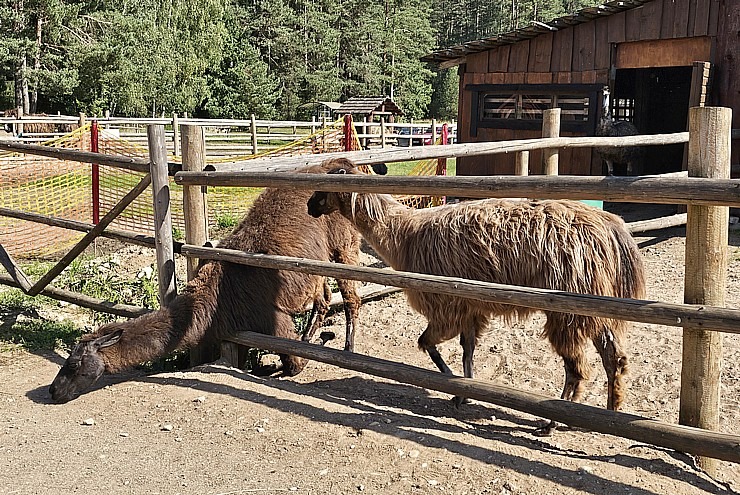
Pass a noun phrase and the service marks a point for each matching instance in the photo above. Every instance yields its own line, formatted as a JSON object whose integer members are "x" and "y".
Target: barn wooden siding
{"x": 660, "y": 33}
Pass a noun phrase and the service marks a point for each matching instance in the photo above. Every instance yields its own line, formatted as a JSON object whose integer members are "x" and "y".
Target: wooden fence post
{"x": 175, "y": 134}
{"x": 195, "y": 210}
{"x": 18, "y": 127}
{"x": 434, "y": 132}
{"x": 194, "y": 198}
{"x": 382, "y": 132}
{"x": 254, "y": 135}
{"x": 162, "y": 218}
{"x": 550, "y": 128}
{"x": 522, "y": 163}
{"x": 706, "y": 272}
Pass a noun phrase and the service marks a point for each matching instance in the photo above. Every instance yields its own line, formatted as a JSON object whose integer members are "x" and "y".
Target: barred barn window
{"x": 522, "y": 106}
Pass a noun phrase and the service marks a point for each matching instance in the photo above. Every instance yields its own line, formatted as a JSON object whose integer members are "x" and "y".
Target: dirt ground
{"x": 217, "y": 430}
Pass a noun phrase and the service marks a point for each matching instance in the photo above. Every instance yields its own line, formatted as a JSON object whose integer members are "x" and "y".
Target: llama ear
{"x": 108, "y": 340}
{"x": 380, "y": 168}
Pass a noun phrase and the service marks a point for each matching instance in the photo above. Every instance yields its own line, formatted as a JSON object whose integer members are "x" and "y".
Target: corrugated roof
{"x": 455, "y": 55}
{"x": 365, "y": 105}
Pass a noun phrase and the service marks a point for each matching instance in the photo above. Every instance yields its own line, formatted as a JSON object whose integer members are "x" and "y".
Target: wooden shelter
{"x": 658, "y": 57}
{"x": 369, "y": 107}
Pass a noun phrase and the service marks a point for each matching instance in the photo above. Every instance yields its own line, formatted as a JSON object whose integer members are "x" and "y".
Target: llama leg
{"x": 609, "y": 167}
{"x": 615, "y": 364}
{"x": 568, "y": 340}
{"x": 437, "y": 359}
{"x": 468, "y": 344}
{"x": 285, "y": 328}
{"x": 320, "y": 309}
{"x": 352, "y": 305}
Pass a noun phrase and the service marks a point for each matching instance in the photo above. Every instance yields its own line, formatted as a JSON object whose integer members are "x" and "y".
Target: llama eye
{"x": 74, "y": 365}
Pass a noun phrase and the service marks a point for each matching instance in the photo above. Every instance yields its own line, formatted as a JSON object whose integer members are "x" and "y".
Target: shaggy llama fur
{"x": 560, "y": 245}
{"x": 225, "y": 297}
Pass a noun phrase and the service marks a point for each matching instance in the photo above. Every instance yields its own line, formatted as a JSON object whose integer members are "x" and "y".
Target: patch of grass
{"x": 226, "y": 220}
{"x": 14, "y": 300}
{"x": 97, "y": 278}
{"x": 36, "y": 268}
{"x": 178, "y": 234}
{"x": 405, "y": 168}
{"x": 36, "y": 333}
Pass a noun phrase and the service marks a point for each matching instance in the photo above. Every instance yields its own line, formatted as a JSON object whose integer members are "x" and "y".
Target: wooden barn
{"x": 658, "y": 58}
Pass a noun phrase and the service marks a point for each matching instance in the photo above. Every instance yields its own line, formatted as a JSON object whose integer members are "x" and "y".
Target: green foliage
{"x": 23, "y": 327}
{"x": 41, "y": 334}
{"x": 234, "y": 58}
{"x": 226, "y": 220}
{"x": 178, "y": 234}
{"x": 445, "y": 94}
{"x": 240, "y": 84}
{"x": 98, "y": 278}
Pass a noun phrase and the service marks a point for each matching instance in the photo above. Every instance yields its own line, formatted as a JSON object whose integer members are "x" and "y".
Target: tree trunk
{"x": 34, "y": 95}
{"x": 21, "y": 77}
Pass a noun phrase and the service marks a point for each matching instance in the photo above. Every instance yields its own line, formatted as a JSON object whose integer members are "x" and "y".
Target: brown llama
{"x": 560, "y": 245}
{"x": 631, "y": 157}
{"x": 226, "y": 297}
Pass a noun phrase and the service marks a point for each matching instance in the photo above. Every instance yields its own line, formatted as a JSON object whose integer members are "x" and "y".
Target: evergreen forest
{"x": 233, "y": 58}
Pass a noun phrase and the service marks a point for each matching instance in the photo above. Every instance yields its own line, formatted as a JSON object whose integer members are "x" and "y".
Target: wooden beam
{"x": 367, "y": 157}
{"x": 550, "y": 129}
{"x": 84, "y": 301}
{"x": 125, "y": 162}
{"x": 15, "y": 272}
{"x": 196, "y": 219}
{"x": 119, "y": 235}
{"x": 645, "y": 189}
{"x": 162, "y": 218}
{"x": 657, "y": 223}
{"x": 722, "y": 319}
{"x": 706, "y": 273}
{"x": 681, "y": 438}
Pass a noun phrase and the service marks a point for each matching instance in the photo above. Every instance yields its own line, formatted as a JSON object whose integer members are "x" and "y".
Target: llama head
{"x": 82, "y": 368}
{"x": 324, "y": 203}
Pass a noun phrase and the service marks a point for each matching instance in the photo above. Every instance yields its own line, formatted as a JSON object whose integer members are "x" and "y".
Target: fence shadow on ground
{"x": 409, "y": 410}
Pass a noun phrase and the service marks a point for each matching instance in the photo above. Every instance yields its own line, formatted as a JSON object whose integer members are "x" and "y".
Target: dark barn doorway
{"x": 656, "y": 100}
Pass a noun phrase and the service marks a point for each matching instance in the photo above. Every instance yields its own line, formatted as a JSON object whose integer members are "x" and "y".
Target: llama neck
{"x": 156, "y": 334}
{"x": 378, "y": 217}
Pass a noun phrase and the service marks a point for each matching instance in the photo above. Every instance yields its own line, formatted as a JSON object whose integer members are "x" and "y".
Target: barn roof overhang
{"x": 455, "y": 55}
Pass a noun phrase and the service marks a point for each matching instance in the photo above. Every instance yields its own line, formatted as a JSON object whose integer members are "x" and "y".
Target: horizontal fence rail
{"x": 110, "y": 233}
{"x": 673, "y": 190}
{"x": 118, "y": 309}
{"x": 395, "y": 154}
{"x": 126, "y": 162}
{"x": 720, "y": 319}
{"x": 681, "y": 438}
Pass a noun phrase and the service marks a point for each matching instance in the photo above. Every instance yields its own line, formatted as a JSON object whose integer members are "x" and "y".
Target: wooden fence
{"x": 707, "y": 192}
{"x": 226, "y": 137}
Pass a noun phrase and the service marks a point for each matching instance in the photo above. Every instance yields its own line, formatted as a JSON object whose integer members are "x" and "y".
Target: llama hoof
{"x": 547, "y": 430}
{"x": 459, "y": 401}
{"x": 268, "y": 370}
{"x": 326, "y": 337}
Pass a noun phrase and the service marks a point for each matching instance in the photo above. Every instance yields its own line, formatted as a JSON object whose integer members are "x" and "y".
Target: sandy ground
{"x": 217, "y": 430}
